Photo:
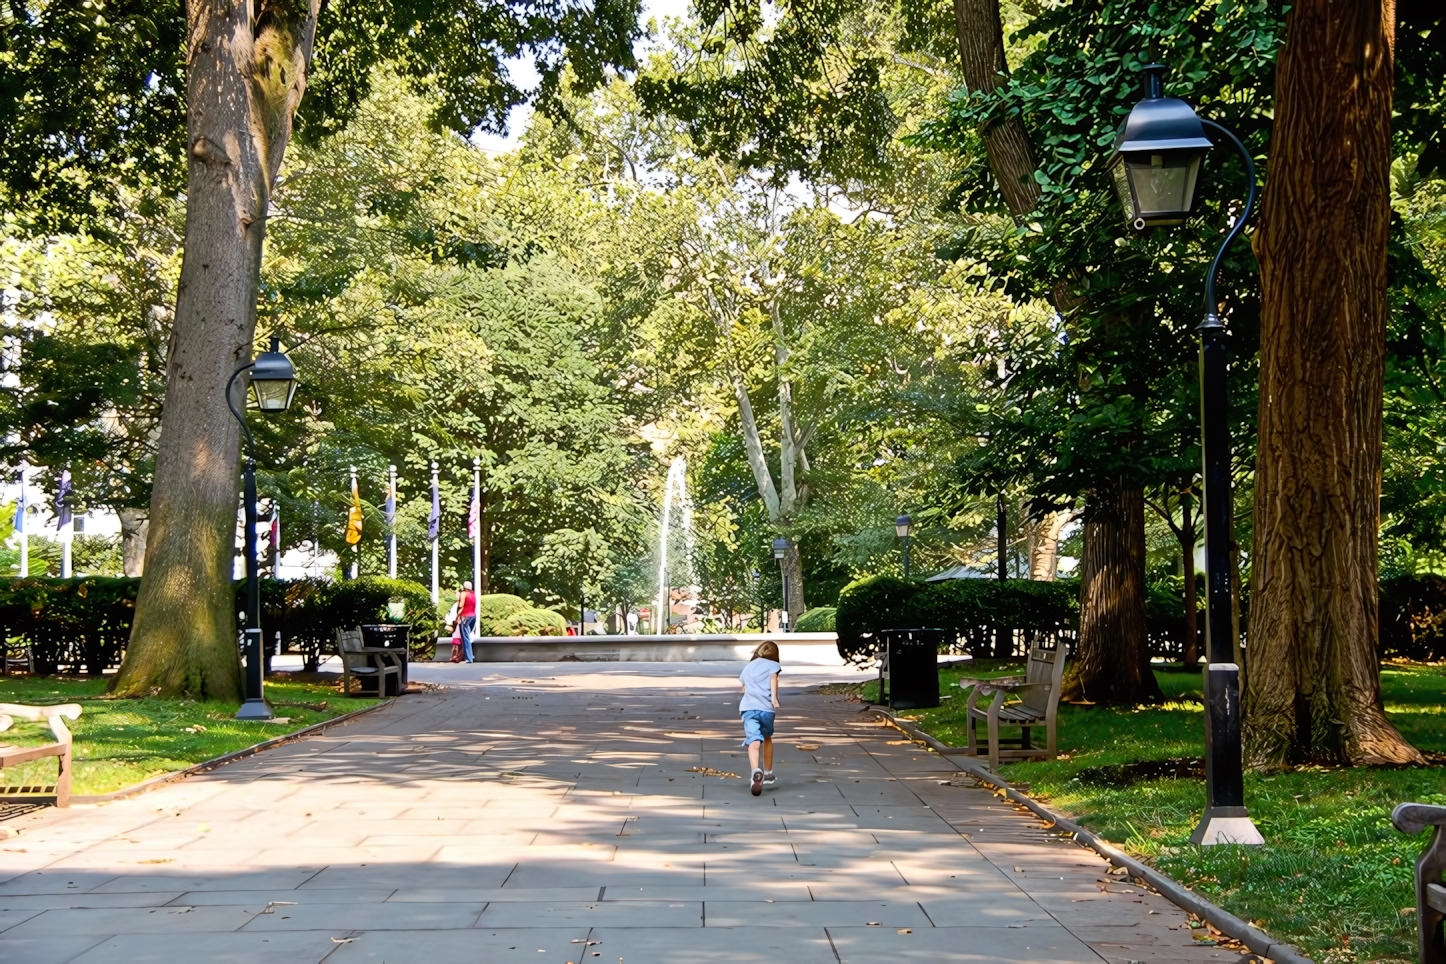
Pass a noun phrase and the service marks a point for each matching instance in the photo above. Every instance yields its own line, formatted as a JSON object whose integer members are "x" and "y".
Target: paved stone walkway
{"x": 555, "y": 814}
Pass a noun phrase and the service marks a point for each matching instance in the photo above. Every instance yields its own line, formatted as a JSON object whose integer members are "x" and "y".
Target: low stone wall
{"x": 811, "y": 649}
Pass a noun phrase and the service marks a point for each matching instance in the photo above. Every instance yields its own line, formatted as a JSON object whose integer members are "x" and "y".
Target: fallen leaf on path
{"x": 710, "y": 772}
{"x": 906, "y": 930}
{"x": 809, "y": 747}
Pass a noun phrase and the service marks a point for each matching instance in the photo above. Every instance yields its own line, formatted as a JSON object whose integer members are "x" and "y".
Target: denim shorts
{"x": 757, "y": 725}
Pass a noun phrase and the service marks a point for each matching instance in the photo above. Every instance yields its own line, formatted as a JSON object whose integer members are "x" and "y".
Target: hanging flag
{"x": 434, "y": 521}
{"x": 21, "y": 505}
{"x": 354, "y": 517}
{"x": 62, "y": 502}
{"x": 275, "y": 533}
{"x": 391, "y": 509}
{"x": 474, "y": 514}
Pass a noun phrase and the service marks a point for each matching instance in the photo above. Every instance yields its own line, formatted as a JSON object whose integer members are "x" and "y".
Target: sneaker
{"x": 757, "y": 787}
{"x": 769, "y": 780}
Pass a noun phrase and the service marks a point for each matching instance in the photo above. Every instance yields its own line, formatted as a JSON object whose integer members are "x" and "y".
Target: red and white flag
{"x": 473, "y": 516}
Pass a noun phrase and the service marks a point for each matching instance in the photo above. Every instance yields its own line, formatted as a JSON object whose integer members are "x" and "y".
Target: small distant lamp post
{"x": 903, "y": 525}
{"x": 273, "y": 385}
{"x": 780, "y": 549}
{"x": 1156, "y": 165}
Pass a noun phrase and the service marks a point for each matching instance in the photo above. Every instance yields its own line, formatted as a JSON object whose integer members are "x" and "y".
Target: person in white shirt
{"x": 759, "y": 685}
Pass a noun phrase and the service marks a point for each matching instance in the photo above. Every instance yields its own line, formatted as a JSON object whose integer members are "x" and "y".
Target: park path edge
{"x": 1221, "y": 919}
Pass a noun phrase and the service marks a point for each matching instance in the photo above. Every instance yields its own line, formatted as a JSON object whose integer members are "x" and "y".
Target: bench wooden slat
{"x": 1436, "y": 897}
{"x": 10, "y": 755}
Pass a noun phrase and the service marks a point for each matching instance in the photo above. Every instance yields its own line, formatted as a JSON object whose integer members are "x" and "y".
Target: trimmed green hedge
{"x": 820, "y": 619}
{"x": 84, "y": 624}
{"x": 970, "y": 609}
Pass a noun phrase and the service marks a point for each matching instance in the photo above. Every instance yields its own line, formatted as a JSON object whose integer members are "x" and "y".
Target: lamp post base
{"x": 257, "y": 709}
{"x": 1227, "y": 825}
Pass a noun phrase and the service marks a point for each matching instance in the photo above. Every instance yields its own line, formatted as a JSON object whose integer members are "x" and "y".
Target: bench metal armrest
{"x": 1409, "y": 818}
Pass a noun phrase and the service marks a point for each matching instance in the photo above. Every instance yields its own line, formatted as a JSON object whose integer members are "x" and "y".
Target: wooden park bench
{"x": 1024, "y": 701}
{"x": 1412, "y": 818}
{"x": 360, "y": 662}
{"x": 60, "y": 749}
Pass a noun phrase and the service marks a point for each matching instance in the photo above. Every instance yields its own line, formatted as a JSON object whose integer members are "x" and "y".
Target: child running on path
{"x": 759, "y": 685}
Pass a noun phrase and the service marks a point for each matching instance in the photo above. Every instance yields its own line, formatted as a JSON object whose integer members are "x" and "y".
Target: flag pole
{"x": 477, "y": 526}
{"x": 392, "y": 521}
{"x": 20, "y": 526}
{"x": 66, "y": 525}
{"x": 432, "y": 533}
{"x": 355, "y": 546}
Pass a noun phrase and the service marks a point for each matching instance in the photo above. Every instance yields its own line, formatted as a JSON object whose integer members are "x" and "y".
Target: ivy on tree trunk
{"x": 1313, "y": 691}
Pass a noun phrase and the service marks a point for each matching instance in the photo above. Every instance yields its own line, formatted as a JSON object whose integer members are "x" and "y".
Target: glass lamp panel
{"x": 1121, "y": 180}
{"x": 1163, "y": 186}
{"x": 273, "y": 395}
{"x": 901, "y": 531}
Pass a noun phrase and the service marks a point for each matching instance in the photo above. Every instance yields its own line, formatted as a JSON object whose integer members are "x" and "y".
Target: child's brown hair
{"x": 767, "y": 649}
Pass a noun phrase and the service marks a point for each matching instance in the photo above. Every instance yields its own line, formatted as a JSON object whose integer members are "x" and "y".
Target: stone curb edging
{"x": 1225, "y": 922}
{"x": 162, "y": 779}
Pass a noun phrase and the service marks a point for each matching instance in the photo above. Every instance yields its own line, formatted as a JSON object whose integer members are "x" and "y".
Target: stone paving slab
{"x": 567, "y": 814}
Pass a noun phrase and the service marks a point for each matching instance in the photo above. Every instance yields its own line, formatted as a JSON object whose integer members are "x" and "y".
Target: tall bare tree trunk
{"x": 1112, "y": 662}
{"x": 1314, "y": 687}
{"x": 134, "y": 525}
{"x": 793, "y": 578}
{"x": 246, "y": 71}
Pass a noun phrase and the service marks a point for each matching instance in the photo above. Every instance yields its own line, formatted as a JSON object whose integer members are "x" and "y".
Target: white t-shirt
{"x": 757, "y": 691}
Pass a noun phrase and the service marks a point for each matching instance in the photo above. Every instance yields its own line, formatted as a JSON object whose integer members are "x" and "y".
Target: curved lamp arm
{"x": 250, "y": 443}
{"x": 1211, "y": 318}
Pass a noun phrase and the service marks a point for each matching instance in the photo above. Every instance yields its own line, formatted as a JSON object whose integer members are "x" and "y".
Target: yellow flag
{"x": 354, "y": 518}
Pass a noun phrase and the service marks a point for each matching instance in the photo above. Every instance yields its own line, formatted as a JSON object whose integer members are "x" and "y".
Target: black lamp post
{"x": 1157, "y": 161}
{"x": 780, "y": 549}
{"x": 273, "y": 384}
{"x": 903, "y": 525}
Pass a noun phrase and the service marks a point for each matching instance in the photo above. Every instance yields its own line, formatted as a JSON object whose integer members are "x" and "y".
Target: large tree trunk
{"x": 134, "y": 525}
{"x": 1112, "y": 660}
{"x": 246, "y": 71}
{"x": 1314, "y": 688}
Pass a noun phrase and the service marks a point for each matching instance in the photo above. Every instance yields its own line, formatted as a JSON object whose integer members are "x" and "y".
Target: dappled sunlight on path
{"x": 573, "y": 813}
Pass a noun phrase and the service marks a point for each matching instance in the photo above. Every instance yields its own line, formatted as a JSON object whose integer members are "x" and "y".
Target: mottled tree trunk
{"x": 1112, "y": 660}
{"x": 1044, "y": 546}
{"x": 134, "y": 525}
{"x": 793, "y": 578}
{"x": 1314, "y": 688}
{"x": 246, "y": 71}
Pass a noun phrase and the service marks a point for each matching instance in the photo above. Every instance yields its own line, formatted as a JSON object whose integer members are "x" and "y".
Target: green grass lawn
{"x": 1334, "y": 874}
{"x": 121, "y": 742}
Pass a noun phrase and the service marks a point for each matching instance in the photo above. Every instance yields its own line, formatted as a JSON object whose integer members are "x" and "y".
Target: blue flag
{"x": 391, "y": 507}
{"x": 21, "y": 505}
{"x": 62, "y": 501}
{"x": 434, "y": 521}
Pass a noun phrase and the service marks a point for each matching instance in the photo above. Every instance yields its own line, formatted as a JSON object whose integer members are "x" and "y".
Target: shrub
{"x": 820, "y": 619}
{"x": 494, "y": 612}
{"x": 970, "y": 611}
{"x": 533, "y": 622}
{"x": 1413, "y": 617}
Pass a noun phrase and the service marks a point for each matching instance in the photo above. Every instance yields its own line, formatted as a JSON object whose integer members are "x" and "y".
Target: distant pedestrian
{"x": 759, "y": 685}
{"x": 465, "y": 613}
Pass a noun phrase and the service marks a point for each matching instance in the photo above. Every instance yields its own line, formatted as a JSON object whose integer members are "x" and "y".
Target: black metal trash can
{"x": 386, "y": 635}
{"x": 912, "y": 667}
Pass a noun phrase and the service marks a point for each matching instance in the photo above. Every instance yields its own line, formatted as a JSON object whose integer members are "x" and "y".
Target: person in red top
{"x": 466, "y": 616}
